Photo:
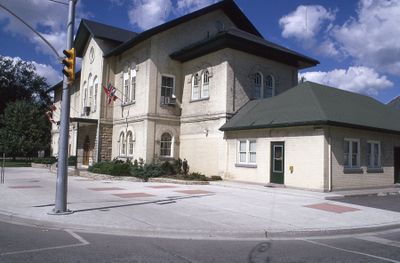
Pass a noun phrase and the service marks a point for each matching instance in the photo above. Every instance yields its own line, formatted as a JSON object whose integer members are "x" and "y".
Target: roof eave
{"x": 309, "y": 123}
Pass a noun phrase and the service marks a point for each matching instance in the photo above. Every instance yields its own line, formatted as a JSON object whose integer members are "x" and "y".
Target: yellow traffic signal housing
{"x": 69, "y": 63}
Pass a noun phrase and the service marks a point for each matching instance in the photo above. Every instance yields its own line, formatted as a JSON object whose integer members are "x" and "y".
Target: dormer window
{"x": 263, "y": 87}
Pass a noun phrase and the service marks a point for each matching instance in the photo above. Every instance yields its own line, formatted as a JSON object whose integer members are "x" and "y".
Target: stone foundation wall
{"x": 105, "y": 143}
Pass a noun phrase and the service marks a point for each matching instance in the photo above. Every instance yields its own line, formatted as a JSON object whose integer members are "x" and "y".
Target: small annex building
{"x": 315, "y": 137}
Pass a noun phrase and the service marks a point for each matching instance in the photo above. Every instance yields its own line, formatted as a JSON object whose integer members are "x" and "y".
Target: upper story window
{"x": 133, "y": 84}
{"x": 373, "y": 154}
{"x": 167, "y": 90}
{"x": 258, "y": 85}
{"x": 351, "y": 153}
{"x": 195, "y": 87}
{"x": 166, "y": 145}
{"x": 269, "y": 87}
{"x": 95, "y": 92}
{"x": 263, "y": 88}
{"x": 90, "y": 81}
{"x": 84, "y": 97}
{"x": 126, "y": 88}
{"x": 200, "y": 85}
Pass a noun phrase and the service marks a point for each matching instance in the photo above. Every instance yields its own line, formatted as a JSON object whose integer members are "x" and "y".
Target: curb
{"x": 193, "y": 234}
{"x": 177, "y": 181}
{"x": 339, "y": 197}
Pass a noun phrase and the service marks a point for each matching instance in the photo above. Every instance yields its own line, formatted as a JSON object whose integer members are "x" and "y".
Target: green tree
{"x": 24, "y": 129}
{"x": 19, "y": 81}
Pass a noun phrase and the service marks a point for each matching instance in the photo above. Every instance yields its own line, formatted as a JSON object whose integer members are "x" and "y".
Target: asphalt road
{"x": 33, "y": 244}
{"x": 388, "y": 202}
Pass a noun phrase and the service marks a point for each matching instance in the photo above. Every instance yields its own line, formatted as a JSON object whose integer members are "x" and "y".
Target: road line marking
{"x": 78, "y": 237}
{"x": 350, "y": 251}
{"x": 379, "y": 240}
{"x": 82, "y": 242}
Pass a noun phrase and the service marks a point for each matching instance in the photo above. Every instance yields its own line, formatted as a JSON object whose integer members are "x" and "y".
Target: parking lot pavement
{"x": 387, "y": 202}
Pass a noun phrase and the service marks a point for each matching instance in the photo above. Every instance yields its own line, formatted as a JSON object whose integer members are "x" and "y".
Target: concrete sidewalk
{"x": 222, "y": 210}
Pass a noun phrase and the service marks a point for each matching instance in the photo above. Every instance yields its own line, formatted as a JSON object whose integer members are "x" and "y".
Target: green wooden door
{"x": 277, "y": 162}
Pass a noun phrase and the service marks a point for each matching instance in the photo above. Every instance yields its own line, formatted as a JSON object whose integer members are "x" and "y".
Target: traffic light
{"x": 69, "y": 62}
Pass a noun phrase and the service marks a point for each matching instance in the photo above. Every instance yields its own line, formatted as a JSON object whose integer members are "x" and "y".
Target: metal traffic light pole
{"x": 60, "y": 207}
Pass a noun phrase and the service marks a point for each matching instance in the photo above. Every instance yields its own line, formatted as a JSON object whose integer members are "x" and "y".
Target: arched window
{"x": 126, "y": 88}
{"x": 258, "y": 85}
{"x": 205, "y": 84}
{"x": 84, "y": 97}
{"x": 96, "y": 88}
{"x": 122, "y": 144}
{"x": 166, "y": 145}
{"x": 90, "y": 82}
{"x": 129, "y": 139}
{"x": 269, "y": 87}
{"x": 133, "y": 83}
{"x": 195, "y": 87}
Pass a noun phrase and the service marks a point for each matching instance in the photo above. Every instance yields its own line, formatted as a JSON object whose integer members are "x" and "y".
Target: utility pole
{"x": 60, "y": 207}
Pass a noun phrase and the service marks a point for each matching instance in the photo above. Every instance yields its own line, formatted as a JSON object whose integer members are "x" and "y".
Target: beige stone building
{"x": 178, "y": 83}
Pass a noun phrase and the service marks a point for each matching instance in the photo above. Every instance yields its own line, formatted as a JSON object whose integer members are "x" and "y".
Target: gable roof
{"x": 227, "y": 6}
{"x": 243, "y": 41}
{"x": 395, "y": 103}
{"x": 313, "y": 104}
{"x": 89, "y": 28}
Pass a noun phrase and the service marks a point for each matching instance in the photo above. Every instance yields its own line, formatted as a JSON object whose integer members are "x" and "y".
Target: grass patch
{"x": 16, "y": 164}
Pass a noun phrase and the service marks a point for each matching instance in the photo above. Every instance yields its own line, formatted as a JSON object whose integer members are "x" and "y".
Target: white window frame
{"x": 126, "y": 86}
{"x": 84, "y": 95}
{"x": 247, "y": 151}
{"x": 272, "y": 87}
{"x": 351, "y": 152}
{"x": 371, "y": 156}
{"x": 122, "y": 144}
{"x": 162, "y": 98}
{"x": 196, "y": 87}
{"x": 261, "y": 87}
{"x": 171, "y": 148}
{"x": 205, "y": 85}
{"x": 133, "y": 83}
{"x": 130, "y": 143}
{"x": 90, "y": 95}
{"x": 95, "y": 92}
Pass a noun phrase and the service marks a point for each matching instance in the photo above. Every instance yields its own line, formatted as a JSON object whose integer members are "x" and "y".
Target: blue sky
{"x": 355, "y": 41}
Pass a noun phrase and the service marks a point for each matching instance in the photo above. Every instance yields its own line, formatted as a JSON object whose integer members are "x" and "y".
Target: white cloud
{"x": 187, "y": 6}
{"x": 52, "y": 75}
{"x": 149, "y": 13}
{"x": 47, "y": 17}
{"x": 372, "y": 38}
{"x": 305, "y": 22}
{"x": 356, "y": 79}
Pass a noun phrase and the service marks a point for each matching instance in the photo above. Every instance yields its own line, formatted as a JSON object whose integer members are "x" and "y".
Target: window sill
{"x": 375, "y": 170}
{"x": 166, "y": 158}
{"x": 246, "y": 165}
{"x": 196, "y": 100}
{"x": 128, "y": 103}
{"x": 355, "y": 170}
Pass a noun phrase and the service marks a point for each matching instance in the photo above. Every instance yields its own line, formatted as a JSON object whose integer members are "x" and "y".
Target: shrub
{"x": 167, "y": 168}
{"x": 115, "y": 167}
{"x": 45, "y": 160}
{"x": 185, "y": 167}
{"x": 146, "y": 171}
{"x": 195, "y": 177}
{"x": 177, "y": 164}
{"x": 215, "y": 178}
{"x": 72, "y": 161}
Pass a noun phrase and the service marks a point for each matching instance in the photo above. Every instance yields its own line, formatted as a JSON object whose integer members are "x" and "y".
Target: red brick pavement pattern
{"x": 332, "y": 208}
{"x": 193, "y": 192}
{"x": 162, "y": 186}
{"x": 133, "y": 195}
{"x": 106, "y": 189}
{"x": 24, "y": 186}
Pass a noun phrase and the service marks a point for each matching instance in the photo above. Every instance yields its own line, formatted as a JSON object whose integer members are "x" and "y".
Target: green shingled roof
{"x": 313, "y": 104}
